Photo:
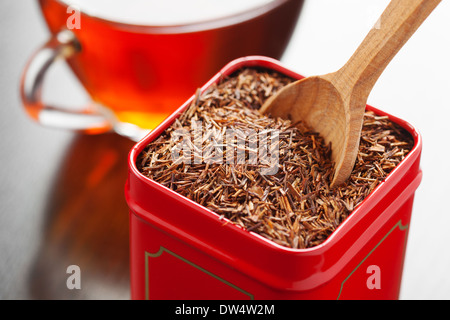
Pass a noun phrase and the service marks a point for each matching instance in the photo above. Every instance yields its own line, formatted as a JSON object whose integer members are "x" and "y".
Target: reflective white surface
{"x": 414, "y": 87}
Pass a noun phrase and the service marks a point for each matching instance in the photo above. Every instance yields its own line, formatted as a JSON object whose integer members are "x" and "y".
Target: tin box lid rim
{"x": 267, "y": 62}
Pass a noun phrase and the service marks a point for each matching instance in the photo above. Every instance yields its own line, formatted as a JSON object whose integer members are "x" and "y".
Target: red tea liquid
{"x": 144, "y": 73}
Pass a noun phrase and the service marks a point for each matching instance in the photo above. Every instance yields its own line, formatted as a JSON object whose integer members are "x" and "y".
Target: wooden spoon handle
{"x": 396, "y": 25}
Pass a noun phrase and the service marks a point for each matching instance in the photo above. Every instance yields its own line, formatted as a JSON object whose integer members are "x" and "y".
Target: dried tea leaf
{"x": 295, "y": 206}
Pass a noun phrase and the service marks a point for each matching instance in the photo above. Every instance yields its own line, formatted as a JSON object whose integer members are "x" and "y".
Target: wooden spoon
{"x": 333, "y": 104}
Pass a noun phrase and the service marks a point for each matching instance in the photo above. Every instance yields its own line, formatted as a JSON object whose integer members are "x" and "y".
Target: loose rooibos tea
{"x": 267, "y": 175}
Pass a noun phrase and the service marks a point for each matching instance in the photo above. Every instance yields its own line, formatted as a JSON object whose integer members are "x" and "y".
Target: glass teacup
{"x": 141, "y": 59}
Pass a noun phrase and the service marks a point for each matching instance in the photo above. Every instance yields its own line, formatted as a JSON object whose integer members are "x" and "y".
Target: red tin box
{"x": 181, "y": 250}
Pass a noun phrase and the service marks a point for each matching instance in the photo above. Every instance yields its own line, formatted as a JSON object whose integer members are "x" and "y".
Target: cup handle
{"x": 87, "y": 120}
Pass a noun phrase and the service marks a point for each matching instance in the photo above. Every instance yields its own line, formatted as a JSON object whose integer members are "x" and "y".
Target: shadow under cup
{"x": 138, "y": 74}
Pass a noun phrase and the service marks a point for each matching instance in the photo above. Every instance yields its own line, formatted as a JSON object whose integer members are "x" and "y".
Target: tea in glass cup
{"x": 139, "y": 60}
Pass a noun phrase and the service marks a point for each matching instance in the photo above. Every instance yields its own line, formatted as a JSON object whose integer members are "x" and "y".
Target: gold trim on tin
{"x": 162, "y": 250}
{"x": 399, "y": 225}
